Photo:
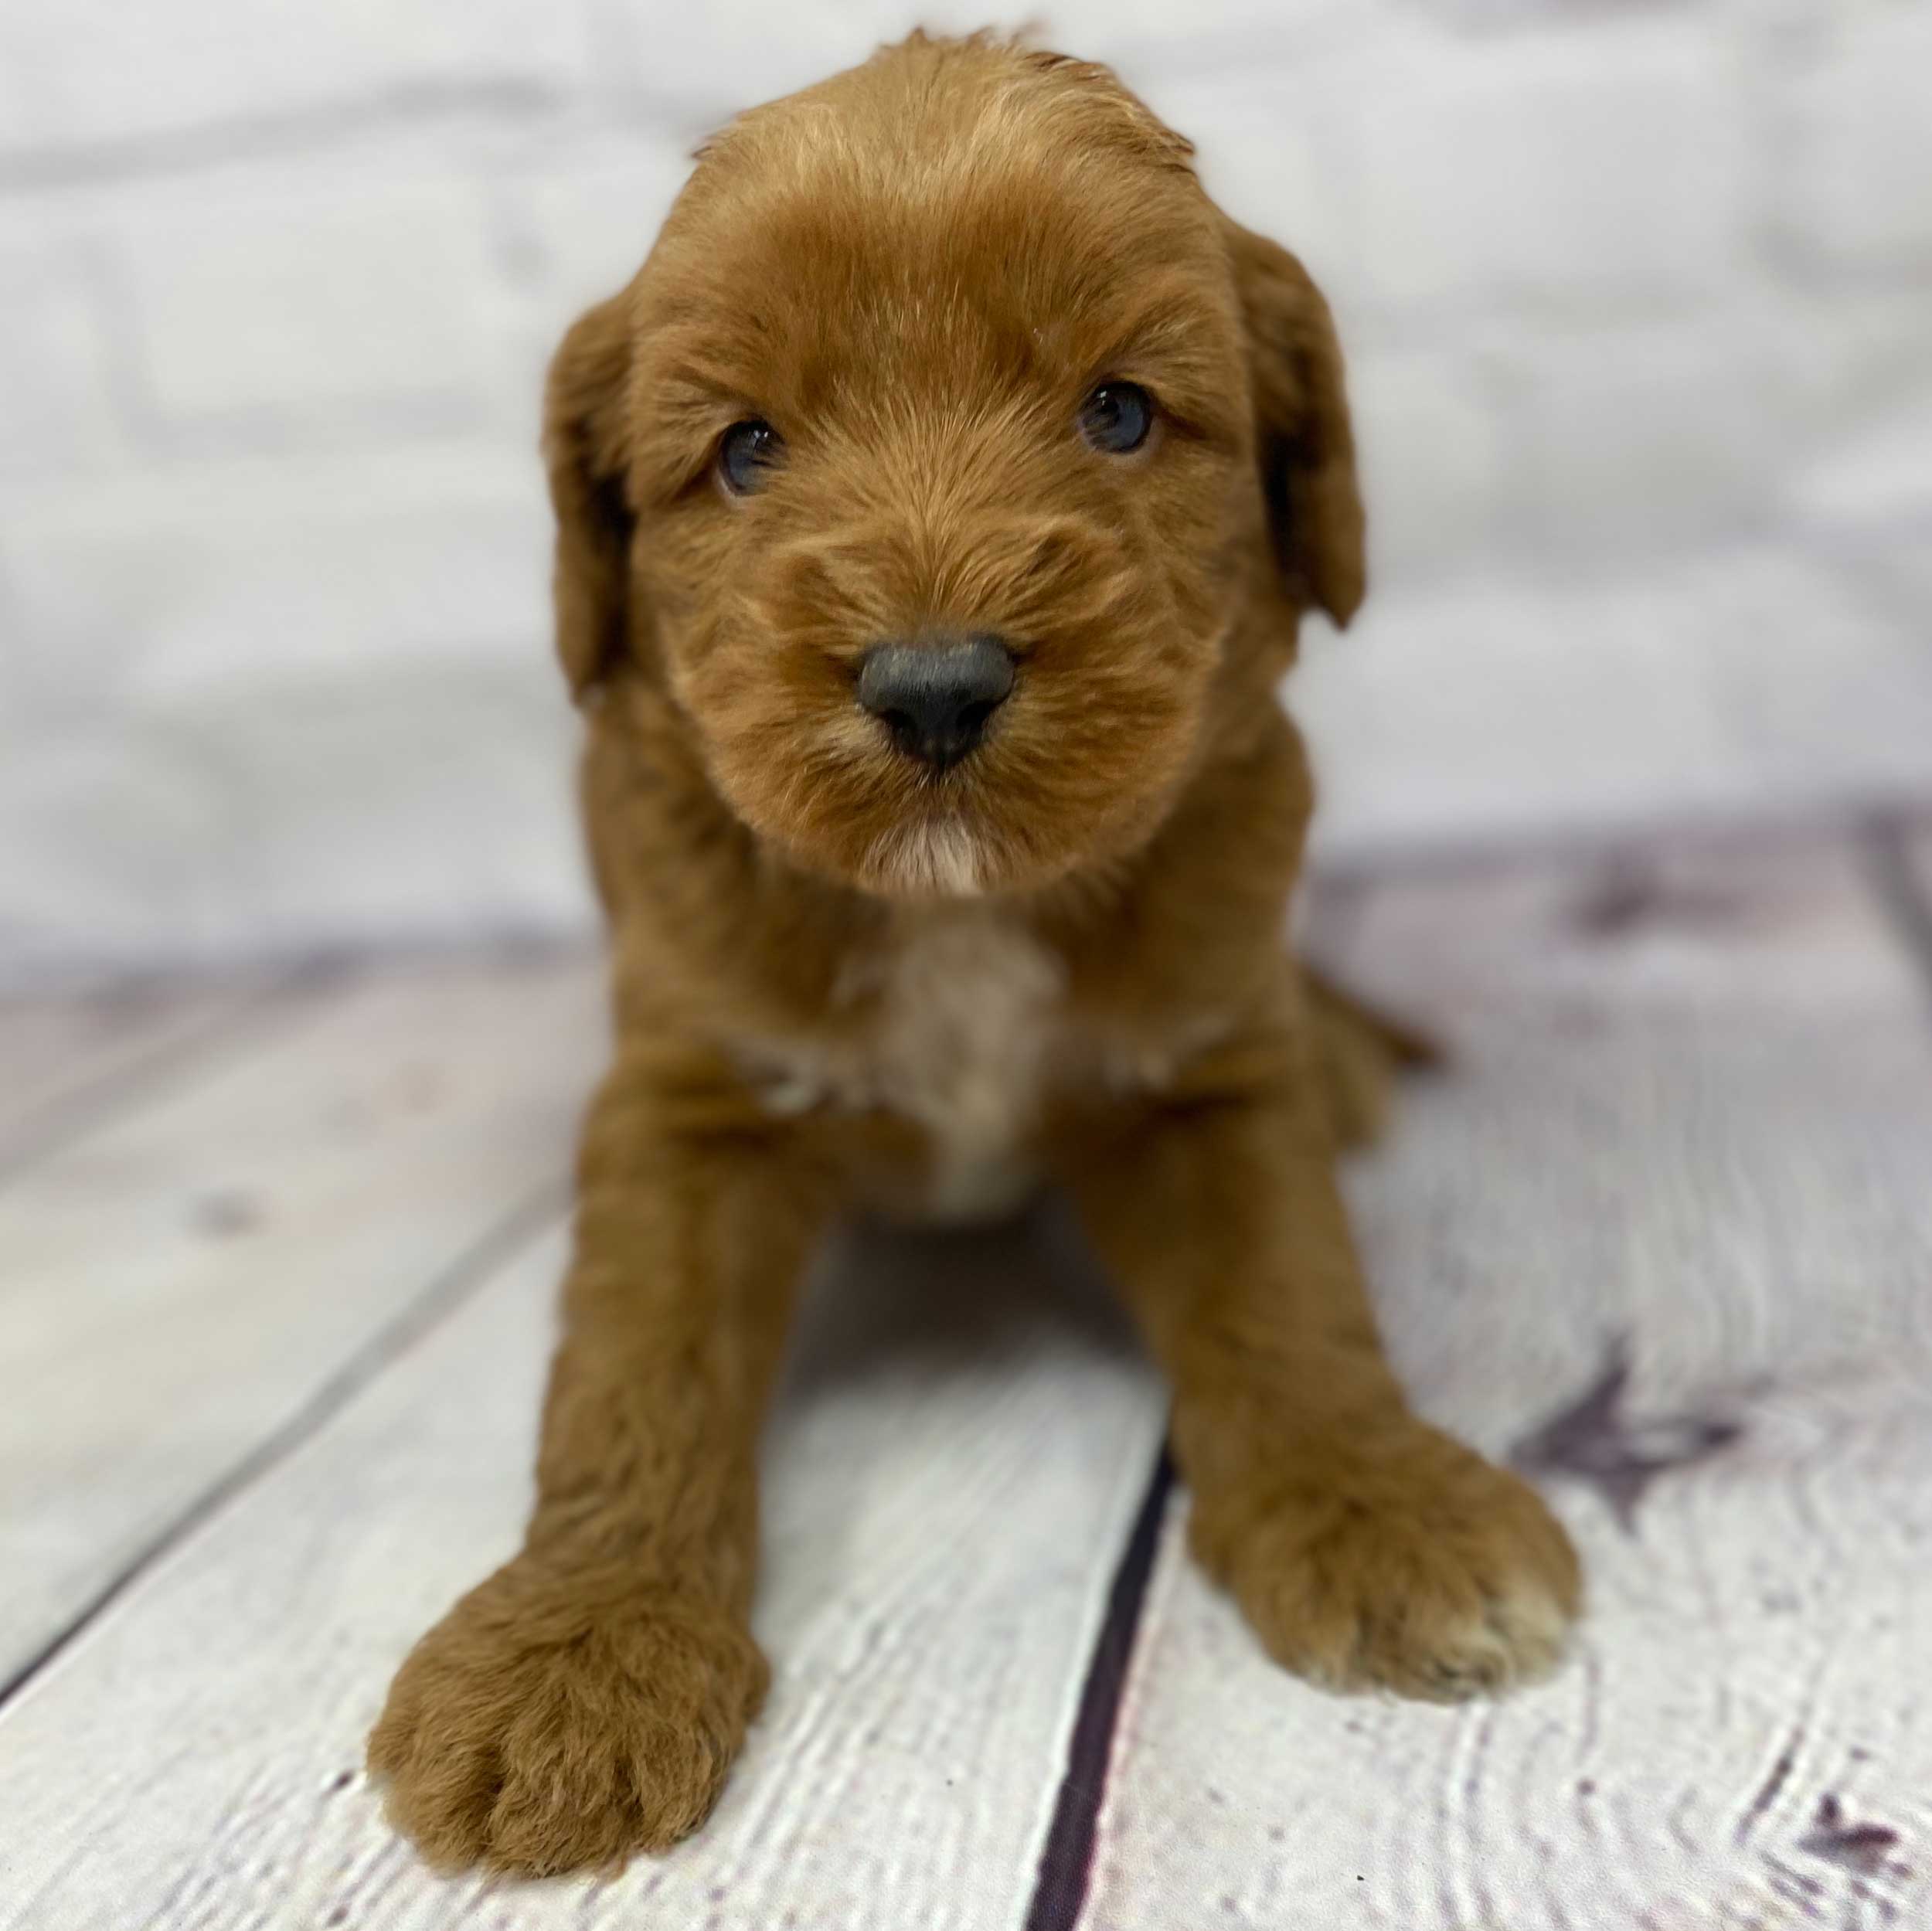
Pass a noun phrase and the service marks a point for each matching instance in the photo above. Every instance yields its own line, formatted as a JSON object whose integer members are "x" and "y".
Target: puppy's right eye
{"x": 747, "y": 455}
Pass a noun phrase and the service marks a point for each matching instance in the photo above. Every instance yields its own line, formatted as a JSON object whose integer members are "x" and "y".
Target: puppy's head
{"x": 933, "y": 461}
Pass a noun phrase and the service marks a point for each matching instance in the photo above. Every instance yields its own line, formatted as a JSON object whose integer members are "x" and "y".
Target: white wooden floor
{"x": 275, "y": 1263}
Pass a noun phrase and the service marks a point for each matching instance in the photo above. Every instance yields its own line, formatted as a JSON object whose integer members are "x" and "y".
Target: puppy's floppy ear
{"x": 1303, "y": 441}
{"x": 585, "y": 443}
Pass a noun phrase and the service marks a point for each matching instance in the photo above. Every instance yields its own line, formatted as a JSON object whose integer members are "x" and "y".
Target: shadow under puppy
{"x": 935, "y": 508}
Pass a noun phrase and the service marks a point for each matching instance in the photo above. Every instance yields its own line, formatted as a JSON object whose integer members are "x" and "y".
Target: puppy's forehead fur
{"x": 961, "y": 222}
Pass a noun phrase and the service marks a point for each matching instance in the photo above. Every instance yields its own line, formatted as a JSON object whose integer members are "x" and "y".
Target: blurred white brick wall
{"x": 1639, "y": 294}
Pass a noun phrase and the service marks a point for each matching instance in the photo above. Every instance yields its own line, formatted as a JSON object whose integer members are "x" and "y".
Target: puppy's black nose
{"x": 936, "y": 697}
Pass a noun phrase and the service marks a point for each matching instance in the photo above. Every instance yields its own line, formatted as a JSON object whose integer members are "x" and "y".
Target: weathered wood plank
{"x": 67, "y": 1055}
{"x": 184, "y": 1277}
{"x": 1691, "y": 1110}
{"x": 950, "y": 1472}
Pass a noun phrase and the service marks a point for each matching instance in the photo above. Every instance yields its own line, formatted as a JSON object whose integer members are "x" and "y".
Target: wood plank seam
{"x": 291, "y": 996}
{"x": 1066, "y": 1857}
{"x": 446, "y": 1293}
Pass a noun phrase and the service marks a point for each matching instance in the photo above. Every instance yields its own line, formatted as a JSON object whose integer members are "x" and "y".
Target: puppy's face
{"x": 928, "y": 435}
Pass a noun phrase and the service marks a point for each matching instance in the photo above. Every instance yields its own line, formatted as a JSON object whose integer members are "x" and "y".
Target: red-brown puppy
{"x": 934, "y": 511}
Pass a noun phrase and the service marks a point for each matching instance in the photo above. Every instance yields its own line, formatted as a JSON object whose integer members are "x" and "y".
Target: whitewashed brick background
{"x": 1639, "y": 297}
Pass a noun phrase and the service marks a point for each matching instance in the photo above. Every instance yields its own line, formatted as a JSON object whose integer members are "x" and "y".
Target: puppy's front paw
{"x": 1404, "y": 1562}
{"x": 551, "y": 1723}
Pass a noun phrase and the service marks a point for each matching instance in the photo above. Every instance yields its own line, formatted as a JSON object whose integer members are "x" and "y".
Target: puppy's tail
{"x": 1360, "y": 1052}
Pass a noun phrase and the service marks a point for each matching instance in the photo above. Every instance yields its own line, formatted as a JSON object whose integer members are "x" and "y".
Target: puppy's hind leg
{"x": 1360, "y": 1053}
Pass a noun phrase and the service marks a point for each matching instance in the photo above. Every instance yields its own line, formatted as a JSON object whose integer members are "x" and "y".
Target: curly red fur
{"x": 840, "y": 978}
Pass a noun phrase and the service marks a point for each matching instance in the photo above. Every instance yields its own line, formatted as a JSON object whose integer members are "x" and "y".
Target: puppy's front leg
{"x": 586, "y": 1701}
{"x": 1366, "y": 1548}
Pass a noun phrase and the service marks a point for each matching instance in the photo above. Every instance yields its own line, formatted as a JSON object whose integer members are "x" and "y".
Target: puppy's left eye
{"x": 1117, "y": 417}
{"x": 748, "y": 454}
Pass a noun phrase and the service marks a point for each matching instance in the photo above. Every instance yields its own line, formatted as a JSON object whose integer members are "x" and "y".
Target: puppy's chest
{"x": 959, "y": 1027}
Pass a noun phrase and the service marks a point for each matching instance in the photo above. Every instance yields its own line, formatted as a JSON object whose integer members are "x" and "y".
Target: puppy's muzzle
{"x": 936, "y": 697}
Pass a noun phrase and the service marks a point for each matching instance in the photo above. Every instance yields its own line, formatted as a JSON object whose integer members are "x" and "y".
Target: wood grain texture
{"x": 1690, "y": 1122}
{"x": 961, "y": 1442}
{"x": 67, "y": 1056}
{"x": 184, "y": 1277}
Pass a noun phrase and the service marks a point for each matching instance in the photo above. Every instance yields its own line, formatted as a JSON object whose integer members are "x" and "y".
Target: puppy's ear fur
{"x": 585, "y": 441}
{"x": 1303, "y": 441}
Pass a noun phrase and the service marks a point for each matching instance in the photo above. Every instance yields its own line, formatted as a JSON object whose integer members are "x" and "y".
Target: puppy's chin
{"x": 944, "y": 855}
{"x": 930, "y": 854}
{"x": 940, "y": 857}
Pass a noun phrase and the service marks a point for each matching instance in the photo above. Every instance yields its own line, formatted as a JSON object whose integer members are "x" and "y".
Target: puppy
{"x": 934, "y": 511}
